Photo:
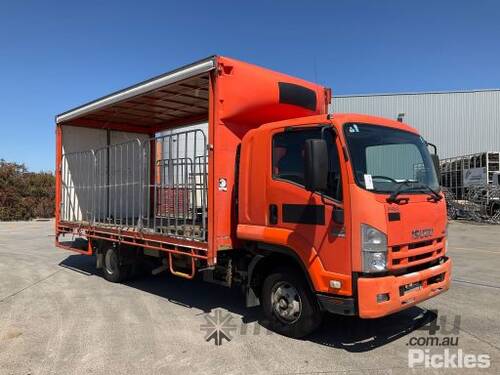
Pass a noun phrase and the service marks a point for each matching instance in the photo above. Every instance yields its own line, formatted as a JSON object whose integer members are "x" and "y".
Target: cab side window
{"x": 288, "y": 158}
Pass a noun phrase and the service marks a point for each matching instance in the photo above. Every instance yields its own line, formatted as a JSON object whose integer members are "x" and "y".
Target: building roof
{"x": 418, "y": 93}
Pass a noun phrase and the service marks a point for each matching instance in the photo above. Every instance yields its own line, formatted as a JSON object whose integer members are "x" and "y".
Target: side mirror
{"x": 316, "y": 165}
{"x": 435, "y": 160}
{"x": 437, "y": 166}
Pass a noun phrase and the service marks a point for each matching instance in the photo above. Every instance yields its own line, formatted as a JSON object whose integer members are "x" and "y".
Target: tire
{"x": 290, "y": 308}
{"x": 495, "y": 207}
{"x": 112, "y": 268}
{"x": 452, "y": 214}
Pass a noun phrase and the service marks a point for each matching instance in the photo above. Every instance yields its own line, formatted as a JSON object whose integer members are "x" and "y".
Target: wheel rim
{"x": 286, "y": 302}
{"x": 110, "y": 262}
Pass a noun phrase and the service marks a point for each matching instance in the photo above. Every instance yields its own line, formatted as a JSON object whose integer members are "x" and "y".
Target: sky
{"x": 56, "y": 55}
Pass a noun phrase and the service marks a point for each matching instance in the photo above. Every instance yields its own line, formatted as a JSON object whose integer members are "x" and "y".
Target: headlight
{"x": 373, "y": 249}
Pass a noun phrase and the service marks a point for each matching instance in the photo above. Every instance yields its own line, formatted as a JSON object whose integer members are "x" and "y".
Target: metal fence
{"x": 159, "y": 185}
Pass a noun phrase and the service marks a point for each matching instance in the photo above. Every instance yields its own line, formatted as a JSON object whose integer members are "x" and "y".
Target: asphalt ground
{"x": 58, "y": 316}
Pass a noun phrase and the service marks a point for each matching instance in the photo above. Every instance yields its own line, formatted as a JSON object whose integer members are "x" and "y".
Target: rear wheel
{"x": 289, "y": 306}
{"x": 112, "y": 268}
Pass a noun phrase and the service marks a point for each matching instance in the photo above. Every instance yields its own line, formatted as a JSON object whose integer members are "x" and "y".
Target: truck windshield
{"x": 384, "y": 158}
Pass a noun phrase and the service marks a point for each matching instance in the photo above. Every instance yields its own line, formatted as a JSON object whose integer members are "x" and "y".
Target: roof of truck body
{"x": 251, "y": 95}
{"x": 187, "y": 96}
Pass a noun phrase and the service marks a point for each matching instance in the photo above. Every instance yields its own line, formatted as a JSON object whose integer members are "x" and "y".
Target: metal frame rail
{"x": 148, "y": 241}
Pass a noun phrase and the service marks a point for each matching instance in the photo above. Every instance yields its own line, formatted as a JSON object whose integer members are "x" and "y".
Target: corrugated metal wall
{"x": 459, "y": 123}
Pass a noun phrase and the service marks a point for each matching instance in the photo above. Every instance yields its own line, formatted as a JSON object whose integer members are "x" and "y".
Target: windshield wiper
{"x": 433, "y": 193}
{"x": 394, "y": 195}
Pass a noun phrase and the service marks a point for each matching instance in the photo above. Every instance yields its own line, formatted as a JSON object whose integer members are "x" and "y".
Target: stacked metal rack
{"x": 469, "y": 182}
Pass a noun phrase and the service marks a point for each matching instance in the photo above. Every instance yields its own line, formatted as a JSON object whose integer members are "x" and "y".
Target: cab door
{"x": 309, "y": 215}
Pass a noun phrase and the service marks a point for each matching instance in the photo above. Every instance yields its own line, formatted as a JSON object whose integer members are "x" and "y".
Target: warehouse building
{"x": 458, "y": 122}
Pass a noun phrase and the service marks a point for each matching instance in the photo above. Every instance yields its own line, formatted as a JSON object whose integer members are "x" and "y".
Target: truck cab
{"x": 348, "y": 209}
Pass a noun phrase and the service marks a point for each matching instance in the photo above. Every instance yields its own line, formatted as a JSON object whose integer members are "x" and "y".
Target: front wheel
{"x": 289, "y": 307}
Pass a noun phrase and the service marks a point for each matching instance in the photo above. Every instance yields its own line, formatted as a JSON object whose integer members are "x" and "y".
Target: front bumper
{"x": 381, "y": 296}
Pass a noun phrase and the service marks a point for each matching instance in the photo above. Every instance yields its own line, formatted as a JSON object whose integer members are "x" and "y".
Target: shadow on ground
{"x": 349, "y": 333}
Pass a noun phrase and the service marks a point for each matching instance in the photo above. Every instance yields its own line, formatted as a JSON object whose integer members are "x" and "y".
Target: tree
{"x": 25, "y": 195}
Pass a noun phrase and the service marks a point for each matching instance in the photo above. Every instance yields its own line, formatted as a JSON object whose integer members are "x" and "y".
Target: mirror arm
{"x": 323, "y": 131}
{"x": 433, "y": 146}
{"x": 336, "y": 209}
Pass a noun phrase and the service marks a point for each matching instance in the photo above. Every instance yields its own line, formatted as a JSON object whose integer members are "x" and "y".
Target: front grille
{"x": 415, "y": 253}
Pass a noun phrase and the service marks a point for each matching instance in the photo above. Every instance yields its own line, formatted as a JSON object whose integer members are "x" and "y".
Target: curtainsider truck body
{"x": 238, "y": 174}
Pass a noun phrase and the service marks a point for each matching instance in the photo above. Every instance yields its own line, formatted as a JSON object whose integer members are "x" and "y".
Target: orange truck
{"x": 238, "y": 175}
